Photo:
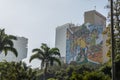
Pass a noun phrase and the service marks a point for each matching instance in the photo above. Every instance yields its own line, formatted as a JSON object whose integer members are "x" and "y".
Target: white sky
{"x": 37, "y": 19}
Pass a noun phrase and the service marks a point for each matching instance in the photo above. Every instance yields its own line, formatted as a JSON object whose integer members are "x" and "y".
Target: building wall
{"x": 60, "y": 41}
{"x": 84, "y": 44}
{"x": 105, "y": 49}
{"x": 94, "y": 17}
{"x": 21, "y": 45}
{"x": 68, "y": 40}
{"x": 89, "y": 17}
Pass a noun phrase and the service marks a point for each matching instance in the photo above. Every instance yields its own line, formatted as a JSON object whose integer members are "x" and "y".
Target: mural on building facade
{"x": 84, "y": 44}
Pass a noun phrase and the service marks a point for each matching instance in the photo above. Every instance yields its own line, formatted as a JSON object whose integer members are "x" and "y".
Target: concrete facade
{"x": 60, "y": 38}
{"x": 93, "y": 19}
{"x": 21, "y": 45}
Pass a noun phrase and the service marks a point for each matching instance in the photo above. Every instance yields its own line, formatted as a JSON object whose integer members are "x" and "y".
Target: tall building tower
{"x": 21, "y": 45}
{"x": 84, "y": 43}
{"x": 60, "y": 39}
{"x": 94, "y": 17}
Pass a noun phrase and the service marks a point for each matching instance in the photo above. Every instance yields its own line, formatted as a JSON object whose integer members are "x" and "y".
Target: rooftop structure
{"x": 94, "y": 17}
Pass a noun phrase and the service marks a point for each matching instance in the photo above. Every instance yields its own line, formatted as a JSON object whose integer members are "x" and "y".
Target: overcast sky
{"x": 37, "y": 19}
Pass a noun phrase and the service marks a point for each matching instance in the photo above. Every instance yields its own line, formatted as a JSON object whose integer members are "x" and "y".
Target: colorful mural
{"x": 84, "y": 44}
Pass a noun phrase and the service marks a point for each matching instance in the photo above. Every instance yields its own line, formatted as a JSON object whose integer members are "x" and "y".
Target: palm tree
{"x": 6, "y": 43}
{"x": 47, "y": 56}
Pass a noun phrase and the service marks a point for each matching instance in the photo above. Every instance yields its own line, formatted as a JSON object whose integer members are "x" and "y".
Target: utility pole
{"x": 112, "y": 41}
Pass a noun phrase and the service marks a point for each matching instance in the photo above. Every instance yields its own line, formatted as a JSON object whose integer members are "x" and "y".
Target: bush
{"x": 95, "y": 76}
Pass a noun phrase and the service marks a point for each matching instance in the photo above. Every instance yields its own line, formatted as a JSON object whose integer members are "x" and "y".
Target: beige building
{"x": 94, "y": 17}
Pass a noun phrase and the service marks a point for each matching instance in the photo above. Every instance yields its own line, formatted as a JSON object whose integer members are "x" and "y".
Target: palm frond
{"x": 39, "y": 51}
{"x": 11, "y": 37}
{"x": 46, "y": 55}
{"x": 54, "y": 51}
{"x": 8, "y": 42}
{"x": 10, "y": 49}
{"x": 44, "y": 47}
{"x": 35, "y": 50}
{"x": 36, "y": 56}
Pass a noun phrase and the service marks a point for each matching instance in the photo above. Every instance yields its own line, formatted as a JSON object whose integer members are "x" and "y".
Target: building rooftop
{"x": 97, "y": 13}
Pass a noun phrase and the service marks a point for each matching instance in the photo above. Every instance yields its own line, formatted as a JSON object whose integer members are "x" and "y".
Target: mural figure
{"x": 84, "y": 44}
{"x": 83, "y": 49}
{"x": 93, "y": 38}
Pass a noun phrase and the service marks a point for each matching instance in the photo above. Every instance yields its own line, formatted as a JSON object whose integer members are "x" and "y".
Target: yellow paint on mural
{"x": 81, "y": 42}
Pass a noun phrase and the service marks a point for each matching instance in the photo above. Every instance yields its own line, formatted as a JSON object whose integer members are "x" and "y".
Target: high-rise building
{"x": 60, "y": 38}
{"x": 21, "y": 46}
{"x": 84, "y": 43}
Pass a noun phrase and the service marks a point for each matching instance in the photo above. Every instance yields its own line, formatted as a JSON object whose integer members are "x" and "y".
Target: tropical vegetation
{"x": 16, "y": 71}
{"x": 116, "y": 36}
{"x": 47, "y": 55}
{"x": 6, "y": 43}
{"x": 51, "y": 66}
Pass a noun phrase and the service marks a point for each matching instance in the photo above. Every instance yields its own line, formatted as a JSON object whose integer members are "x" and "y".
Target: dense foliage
{"x": 20, "y": 71}
{"x": 77, "y": 72}
{"x": 16, "y": 71}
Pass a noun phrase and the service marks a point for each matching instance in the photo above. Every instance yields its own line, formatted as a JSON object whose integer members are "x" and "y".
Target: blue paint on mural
{"x": 84, "y": 43}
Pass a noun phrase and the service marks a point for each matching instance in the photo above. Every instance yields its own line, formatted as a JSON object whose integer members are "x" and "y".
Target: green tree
{"x": 116, "y": 25}
{"x": 47, "y": 56}
{"x": 106, "y": 69}
{"x": 95, "y": 76}
{"x": 117, "y": 37}
{"x": 76, "y": 76}
{"x": 6, "y": 43}
{"x": 16, "y": 71}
